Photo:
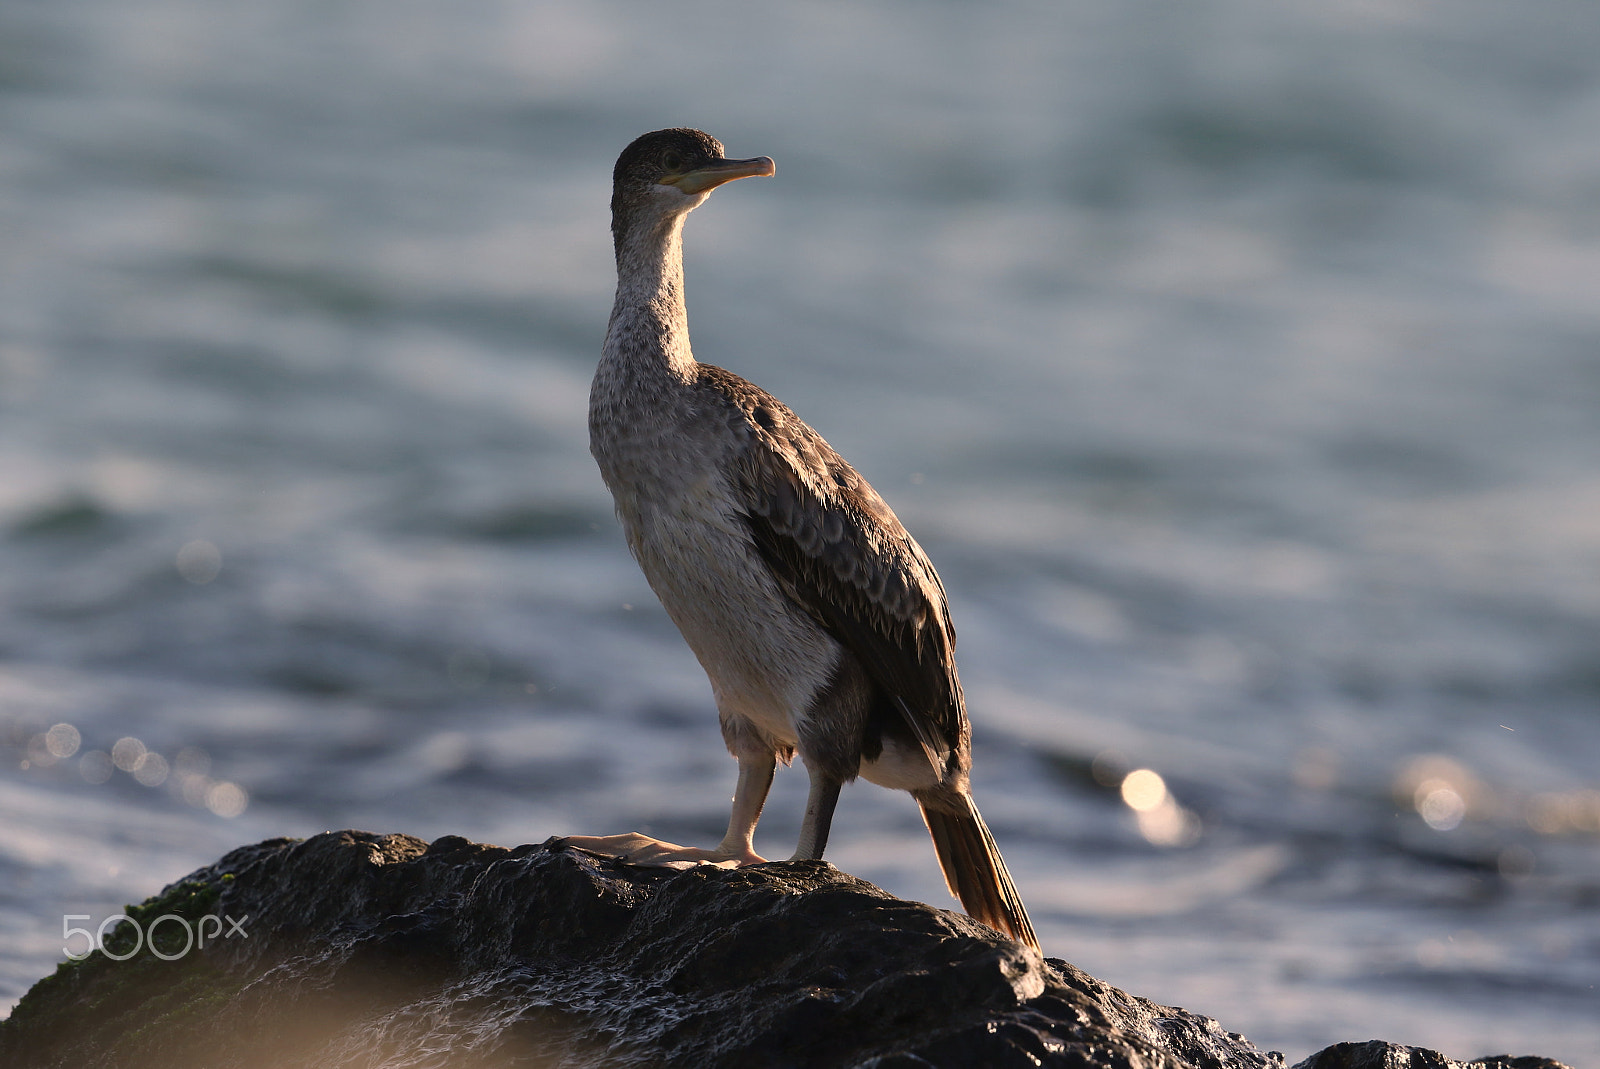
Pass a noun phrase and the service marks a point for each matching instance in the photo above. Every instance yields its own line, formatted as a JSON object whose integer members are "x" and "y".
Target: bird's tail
{"x": 973, "y": 868}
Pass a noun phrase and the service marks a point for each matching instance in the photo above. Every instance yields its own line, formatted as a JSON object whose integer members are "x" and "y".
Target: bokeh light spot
{"x": 1441, "y": 790}
{"x": 62, "y": 740}
{"x": 151, "y": 770}
{"x": 227, "y": 799}
{"x": 39, "y": 752}
{"x": 1440, "y": 805}
{"x": 127, "y": 752}
{"x": 199, "y": 562}
{"x": 1143, "y": 790}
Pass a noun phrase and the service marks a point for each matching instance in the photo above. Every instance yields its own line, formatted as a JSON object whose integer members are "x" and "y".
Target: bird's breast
{"x": 766, "y": 659}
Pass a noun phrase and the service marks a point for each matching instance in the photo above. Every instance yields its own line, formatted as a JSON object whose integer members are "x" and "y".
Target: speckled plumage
{"x": 818, "y": 619}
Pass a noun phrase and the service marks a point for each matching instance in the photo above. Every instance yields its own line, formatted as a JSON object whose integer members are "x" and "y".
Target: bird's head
{"x": 669, "y": 172}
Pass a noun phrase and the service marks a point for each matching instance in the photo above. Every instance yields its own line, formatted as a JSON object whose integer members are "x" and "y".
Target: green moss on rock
{"x": 127, "y": 1010}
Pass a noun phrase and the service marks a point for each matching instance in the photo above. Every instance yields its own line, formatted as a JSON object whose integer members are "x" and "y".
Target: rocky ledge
{"x": 353, "y": 949}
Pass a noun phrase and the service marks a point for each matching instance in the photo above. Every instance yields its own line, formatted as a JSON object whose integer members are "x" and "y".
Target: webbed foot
{"x": 640, "y": 849}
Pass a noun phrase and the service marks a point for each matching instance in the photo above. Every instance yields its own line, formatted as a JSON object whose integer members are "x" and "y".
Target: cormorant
{"x": 820, "y": 622}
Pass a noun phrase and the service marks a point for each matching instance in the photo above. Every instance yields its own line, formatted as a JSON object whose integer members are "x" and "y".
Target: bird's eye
{"x": 672, "y": 161}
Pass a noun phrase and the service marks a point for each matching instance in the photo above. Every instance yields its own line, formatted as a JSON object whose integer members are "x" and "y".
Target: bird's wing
{"x": 841, "y": 554}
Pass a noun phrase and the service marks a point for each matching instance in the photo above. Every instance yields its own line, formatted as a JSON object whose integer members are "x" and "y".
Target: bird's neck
{"x": 649, "y": 328}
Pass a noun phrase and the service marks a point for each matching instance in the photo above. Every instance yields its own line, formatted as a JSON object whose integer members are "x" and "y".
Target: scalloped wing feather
{"x": 839, "y": 553}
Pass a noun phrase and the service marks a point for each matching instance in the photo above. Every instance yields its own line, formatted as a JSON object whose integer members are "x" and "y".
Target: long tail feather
{"x": 974, "y": 870}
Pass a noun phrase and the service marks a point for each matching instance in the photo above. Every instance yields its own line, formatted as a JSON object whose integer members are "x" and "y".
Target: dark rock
{"x": 1376, "y": 1054}
{"x": 360, "y": 949}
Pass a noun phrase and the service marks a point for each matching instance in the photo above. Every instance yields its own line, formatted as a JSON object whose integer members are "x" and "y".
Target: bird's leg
{"x": 755, "y": 780}
{"x": 819, "y": 815}
{"x": 736, "y": 848}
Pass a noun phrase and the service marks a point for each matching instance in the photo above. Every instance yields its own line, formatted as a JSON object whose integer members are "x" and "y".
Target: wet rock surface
{"x": 358, "y": 949}
{"x": 1376, "y": 1054}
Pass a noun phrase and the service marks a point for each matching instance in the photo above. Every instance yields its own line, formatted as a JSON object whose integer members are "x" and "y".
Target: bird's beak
{"x": 715, "y": 174}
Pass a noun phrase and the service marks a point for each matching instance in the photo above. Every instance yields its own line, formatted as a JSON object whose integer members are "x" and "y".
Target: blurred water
{"x": 1238, "y": 363}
